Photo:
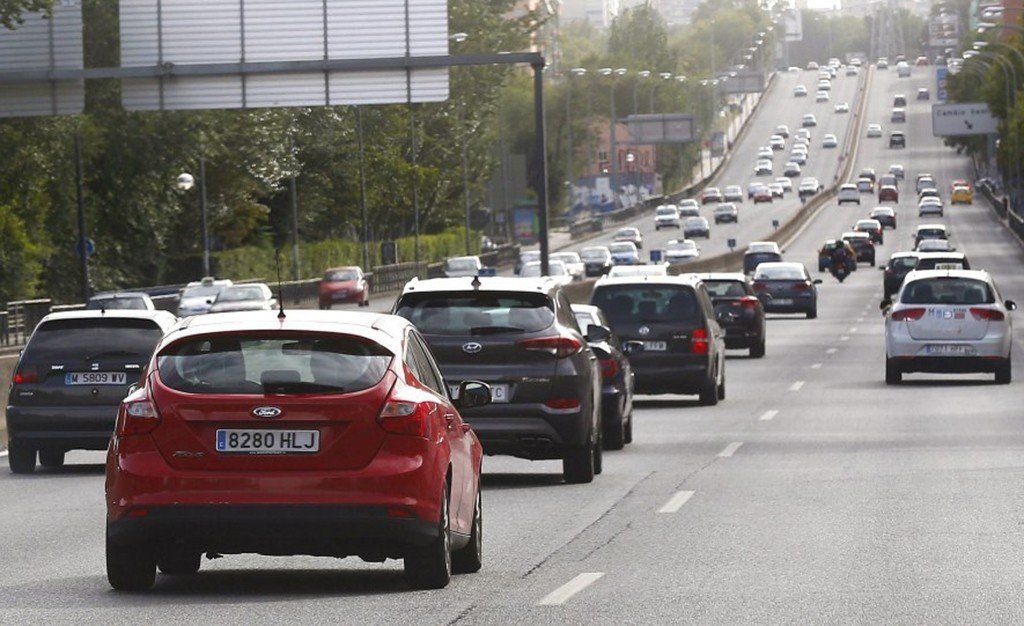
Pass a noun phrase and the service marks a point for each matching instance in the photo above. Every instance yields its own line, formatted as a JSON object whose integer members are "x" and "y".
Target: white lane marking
{"x": 730, "y": 449}
{"x": 816, "y": 366}
{"x": 860, "y": 320}
{"x": 844, "y": 338}
{"x": 767, "y": 416}
{"x": 853, "y": 330}
{"x": 676, "y": 502}
{"x": 561, "y": 595}
{"x": 797, "y": 386}
{"x": 831, "y": 350}
{"x": 3, "y": 453}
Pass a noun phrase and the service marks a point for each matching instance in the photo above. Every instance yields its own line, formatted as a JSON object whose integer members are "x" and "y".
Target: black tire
{"x": 21, "y": 458}
{"x": 615, "y": 427}
{"x": 813, "y": 313}
{"x": 893, "y": 373}
{"x": 628, "y": 430}
{"x": 721, "y": 388}
{"x": 129, "y": 567}
{"x": 599, "y": 456}
{"x": 51, "y": 458}
{"x": 469, "y": 558}
{"x": 578, "y": 466}
{"x": 1004, "y": 371}
{"x": 757, "y": 350}
{"x": 182, "y": 563}
{"x": 872, "y": 261}
{"x": 430, "y": 567}
{"x": 709, "y": 393}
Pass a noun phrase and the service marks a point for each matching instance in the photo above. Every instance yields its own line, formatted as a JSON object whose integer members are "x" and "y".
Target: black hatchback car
{"x": 70, "y": 380}
{"x": 616, "y": 375}
{"x": 738, "y": 310}
{"x": 900, "y": 264}
{"x": 683, "y": 344}
{"x": 521, "y": 337}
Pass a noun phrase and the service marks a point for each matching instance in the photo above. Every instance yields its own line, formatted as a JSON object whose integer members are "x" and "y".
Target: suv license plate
{"x": 950, "y": 350}
{"x": 250, "y": 441}
{"x": 95, "y": 378}
{"x": 499, "y": 392}
{"x": 655, "y": 346}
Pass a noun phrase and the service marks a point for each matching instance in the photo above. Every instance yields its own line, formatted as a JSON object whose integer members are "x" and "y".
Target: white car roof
{"x": 689, "y": 280}
{"x": 924, "y": 274}
{"x": 930, "y": 226}
{"x": 162, "y": 318}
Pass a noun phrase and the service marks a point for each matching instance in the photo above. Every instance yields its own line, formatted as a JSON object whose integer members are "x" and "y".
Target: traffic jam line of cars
{"x": 238, "y": 426}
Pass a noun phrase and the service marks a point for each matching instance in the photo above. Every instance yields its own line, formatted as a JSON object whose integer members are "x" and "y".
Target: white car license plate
{"x": 252, "y": 441}
{"x": 655, "y": 346}
{"x": 782, "y": 301}
{"x": 949, "y": 350}
{"x": 95, "y": 378}
{"x": 499, "y": 393}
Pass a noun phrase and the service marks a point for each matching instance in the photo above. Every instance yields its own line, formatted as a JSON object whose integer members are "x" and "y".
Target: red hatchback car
{"x": 344, "y": 285}
{"x": 888, "y": 193}
{"x": 325, "y": 434}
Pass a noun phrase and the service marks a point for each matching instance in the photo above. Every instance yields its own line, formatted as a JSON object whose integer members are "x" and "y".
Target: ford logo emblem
{"x": 645, "y": 330}
{"x": 472, "y": 347}
{"x": 267, "y": 412}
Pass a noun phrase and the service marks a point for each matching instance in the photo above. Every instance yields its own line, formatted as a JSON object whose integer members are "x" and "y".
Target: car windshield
{"x": 666, "y": 211}
{"x": 461, "y": 264}
{"x": 341, "y": 275}
{"x": 565, "y": 257}
{"x": 583, "y": 320}
{"x": 947, "y": 290}
{"x": 241, "y": 294}
{"x": 681, "y": 245}
{"x": 779, "y": 273}
{"x": 477, "y": 313}
{"x": 725, "y": 288}
{"x": 931, "y": 233}
{"x": 594, "y": 254}
{"x": 201, "y": 291}
{"x": 114, "y": 303}
{"x": 621, "y": 247}
{"x": 903, "y": 264}
{"x": 273, "y": 363}
{"x": 532, "y": 270}
{"x": 526, "y": 257}
{"x": 647, "y": 304}
{"x": 753, "y": 259}
{"x": 946, "y": 263}
{"x": 626, "y": 232}
{"x": 62, "y": 341}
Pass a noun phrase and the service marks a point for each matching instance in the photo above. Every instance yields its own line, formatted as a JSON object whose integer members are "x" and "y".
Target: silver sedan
{"x": 948, "y": 321}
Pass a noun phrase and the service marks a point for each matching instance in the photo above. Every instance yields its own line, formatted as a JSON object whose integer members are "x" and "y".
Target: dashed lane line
{"x": 844, "y": 338}
{"x": 797, "y": 386}
{"x": 768, "y": 416}
{"x": 831, "y": 350}
{"x": 730, "y": 449}
{"x": 562, "y": 595}
{"x": 676, "y": 502}
{"x": 816, "y": 366}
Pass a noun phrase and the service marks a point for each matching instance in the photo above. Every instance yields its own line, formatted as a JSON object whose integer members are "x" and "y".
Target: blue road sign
{"x": 731, "y": 242}
{"x": 941, "y": 84}
{"x": 656, "y": 256}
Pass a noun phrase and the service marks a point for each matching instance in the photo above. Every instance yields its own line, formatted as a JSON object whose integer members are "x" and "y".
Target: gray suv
{"x": 520, "y": 336}
{"x": 71, "y": 378}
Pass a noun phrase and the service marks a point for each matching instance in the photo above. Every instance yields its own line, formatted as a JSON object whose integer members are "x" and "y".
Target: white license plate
{"x": 655, "y": 346}
{"x": 950, "y": 350}
{"x": 782, "y": 301}
{"x": 499, "y": 393}
{"x": 96, "y": 378}
{"x": 253, "y": 441}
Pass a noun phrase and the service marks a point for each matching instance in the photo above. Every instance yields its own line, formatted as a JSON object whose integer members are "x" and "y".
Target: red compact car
{"x": 888, "y": 193}
{"x": 762, "y": 195}
{"x": 325, "y": 434}
{"x": 341, "y": 285}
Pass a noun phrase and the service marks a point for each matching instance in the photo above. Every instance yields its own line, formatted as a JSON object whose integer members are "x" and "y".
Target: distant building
{"x": 599, "y": 13}
{"x": 676, "y": 12}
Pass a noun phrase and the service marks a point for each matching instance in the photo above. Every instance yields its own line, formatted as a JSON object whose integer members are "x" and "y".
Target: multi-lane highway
{"x": 813, "y": 493}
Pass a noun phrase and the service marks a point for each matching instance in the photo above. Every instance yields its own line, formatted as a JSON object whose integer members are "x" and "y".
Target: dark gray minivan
{"x": 70, "y": 380}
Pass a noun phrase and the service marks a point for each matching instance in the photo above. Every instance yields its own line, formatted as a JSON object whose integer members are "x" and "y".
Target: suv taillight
{"x": 28, "y": 374}
{"x": 137, "y": 415}
{"x": 907, "y": 314}
{"x": 609, "y": 368}
{"x": 404, "y": 417}
{"x": 699, "y": 341}
{"x": 558, "y": 346}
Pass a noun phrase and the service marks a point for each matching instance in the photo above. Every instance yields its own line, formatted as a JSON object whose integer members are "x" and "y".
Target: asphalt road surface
{"x": 814, "y": 493}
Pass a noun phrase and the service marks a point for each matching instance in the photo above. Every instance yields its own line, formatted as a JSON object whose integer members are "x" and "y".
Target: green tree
{"x": 18, "y": 256}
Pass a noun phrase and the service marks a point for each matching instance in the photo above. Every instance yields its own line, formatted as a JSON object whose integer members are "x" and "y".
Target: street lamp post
{"x": 1010, "y": 76}
{"x": 461, "y": 38}
{"x": 576, "y": 71}
{"x": 636, "y": 86}
{"x": 186, "y": 182}
{"x": 613, "y": 157}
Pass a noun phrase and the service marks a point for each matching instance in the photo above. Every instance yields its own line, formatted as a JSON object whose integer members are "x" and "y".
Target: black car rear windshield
{"x": 947, "y": 291}
{"x": 951, "y": 263}
{"x": 903, "y": 264}
{"x": 477, "y": 312}
{"x": 116, "y": 303}
{"x": 273, "y": 363}
{"x": 59, "y": 341}
{"x": 752, "y": 259}
{"x": 725, "y": 288}
{"x": 647, "y": 304}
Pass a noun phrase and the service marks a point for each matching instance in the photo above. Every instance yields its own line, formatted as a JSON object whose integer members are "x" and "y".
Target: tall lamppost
{"x": 576, "y": 71}
{"x": 461, "y": 38}
{"x": 186, "y": 182}
{"x": 654, "y": 87}
{"x": 613, "y": 157}
{"x": 636, "y": 85}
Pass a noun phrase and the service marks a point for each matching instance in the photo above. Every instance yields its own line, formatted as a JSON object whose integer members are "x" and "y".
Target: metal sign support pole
{"x": 540, "y": 175}
{"x": 362, "y": 188}
{"x": 83, "y": 252}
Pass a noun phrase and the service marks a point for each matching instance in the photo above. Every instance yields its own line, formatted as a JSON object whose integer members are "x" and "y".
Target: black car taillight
{"x": 27, "y": 374}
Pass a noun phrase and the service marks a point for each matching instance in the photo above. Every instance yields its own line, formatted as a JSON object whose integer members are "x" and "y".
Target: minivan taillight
{"x": 558, "y": 346}
{"x": 907, "y": 314}
{"x": 699, "y": 341}
{"x": 402, "y": 417}
{"x": 26, "y": 375}
{"x": 138, "y": 415}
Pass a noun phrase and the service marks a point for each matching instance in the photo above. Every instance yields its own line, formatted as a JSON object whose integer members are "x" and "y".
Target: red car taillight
{"x": 747, "y": 302}
{"x": 563, "y": 404}
{"x": 558, "y": 347}
{"x": 403, "y": 417}
{"x": 609, "y": 368}
{"x": 138, "y": 415}
{"x": 802, "y": 286}
{"x": 699, "y": 341}
{"x": 908, "y": 314}
{"x": 760, "y": 287}
{"x": 26, "y": 375}
{"x": 990, "y": 315}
